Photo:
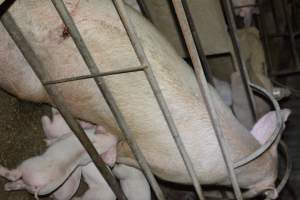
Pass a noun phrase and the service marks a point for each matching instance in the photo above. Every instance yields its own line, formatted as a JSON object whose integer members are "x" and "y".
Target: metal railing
{"x": 186, "y": 22}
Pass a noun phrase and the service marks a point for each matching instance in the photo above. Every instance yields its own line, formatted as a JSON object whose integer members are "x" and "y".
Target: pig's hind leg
{"x": 11, "y": 175}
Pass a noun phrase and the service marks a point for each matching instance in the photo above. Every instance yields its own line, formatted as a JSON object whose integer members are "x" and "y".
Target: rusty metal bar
{"x": 206, "y": 94}
{"x": 115, "y": 72}
{"x": 37, "y": 66}
{"x": 201, "y": 53}
{"x": 228, "y": 12}
{"x": 119, "y": 5}
{"x": 68, "y": 21}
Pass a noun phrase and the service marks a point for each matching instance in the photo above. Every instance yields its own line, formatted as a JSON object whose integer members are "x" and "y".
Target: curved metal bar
{"x": 275, "y": 137}
{"x": 288, "y": 169}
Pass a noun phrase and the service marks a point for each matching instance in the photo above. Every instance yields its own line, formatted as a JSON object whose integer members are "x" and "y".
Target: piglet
{"x": 43, "y": 174}
{"x": 133, "y": 182}
{"x": 57, "y": 127}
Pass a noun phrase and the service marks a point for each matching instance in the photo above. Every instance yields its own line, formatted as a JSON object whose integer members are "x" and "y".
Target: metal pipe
{"x": 228, "y": 12}
{"x": 291, "y": 34}
{"x": 206, "y": 94}
{"x": 119, "y": 5}
{"x": 115, "y": 72}
{"x": 68, "y": 21}
{"x": 37, "y": 66}
{"x": 265, "y": 40}
{"x": 274, "y": 15}
{"x": 275, "y": 137}
{"x": 5, "y": 5}
{"x": 201, "y": 53}
{"x": 245, "y": 6}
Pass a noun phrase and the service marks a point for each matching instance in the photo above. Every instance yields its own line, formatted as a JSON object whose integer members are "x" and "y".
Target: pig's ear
{"x": 285, "y": 113}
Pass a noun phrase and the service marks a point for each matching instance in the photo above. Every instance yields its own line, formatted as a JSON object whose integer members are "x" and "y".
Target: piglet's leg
{"x": 16, "y": 185}
{"x": 11, "y": 175}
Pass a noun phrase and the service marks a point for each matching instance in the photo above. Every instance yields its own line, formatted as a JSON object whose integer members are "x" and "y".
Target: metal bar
{"x": 275, "y": 137}
{"x": 286, "y": 72}
{"x": 274, "y": 14}
{"x": 158, "y": 94}
{"x": 265, "y": 40}
{"x": 37, "y": 66}
{"x": 144, "y": 9}
{"x": 116, "y": 72}
{"x": 67, "y": 19}
{"x": 206, "y": 94}
{"x": 5, "y": 5}
{"x": 245, "y": 6}
{"x": 201, "y": 53}
{"x": 241, "y": 63}
{"x": 291, "y": 34}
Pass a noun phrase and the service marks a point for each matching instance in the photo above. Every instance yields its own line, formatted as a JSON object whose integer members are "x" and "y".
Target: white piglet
{"x": 43, "y": 174}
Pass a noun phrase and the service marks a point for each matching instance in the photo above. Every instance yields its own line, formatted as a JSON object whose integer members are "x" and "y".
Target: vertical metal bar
{"x": 264, "y": 37}
{"x": 158, "y": 94}
{"x": 228, "y": 12}
{"x": 144, "y": 9}
{"x": 291, "y": 34}
{"x": 67, "y": 19}
{"x": 206, "y": 94}
{"x": 274, "y": 14}
{"x": 201, "y": 53}
{"x": 37, "y": 66}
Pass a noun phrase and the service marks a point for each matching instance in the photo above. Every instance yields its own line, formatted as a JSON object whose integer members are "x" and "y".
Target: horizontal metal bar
{"x": 37, "y": 66}
{"x": 116, "y": 72}
{"x": 287, "y": 72}
{"x": 275, "y": 137}
{"x": 107, "y": 95}
{"x": 138, "y": 48}
{"x": 246, "y": 6}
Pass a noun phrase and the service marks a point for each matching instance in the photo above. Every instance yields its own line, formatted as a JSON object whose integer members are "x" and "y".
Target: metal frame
{"x": 181, "y": 9}
{"x": 228, "y": 12}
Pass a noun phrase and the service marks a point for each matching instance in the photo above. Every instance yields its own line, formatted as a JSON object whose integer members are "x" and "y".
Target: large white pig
{"x": 106, "y": 38}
